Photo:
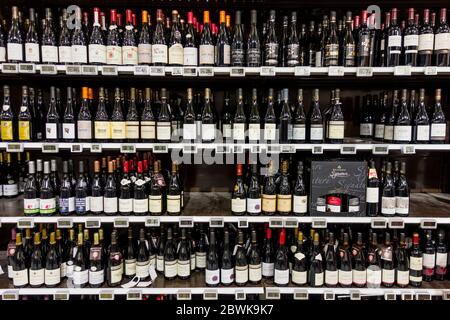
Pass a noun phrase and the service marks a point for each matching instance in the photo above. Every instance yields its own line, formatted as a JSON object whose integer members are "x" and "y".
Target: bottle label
{"x": 176, "y": 54}
{"x": 227, "y": 132}
{"x": 237, "y": 57}
{"x": 429, "y": 260}
{"x": 331, "y": 277}
{"x": 271, "y": 54}
{"x": 183, "y": 268}
{"x": 206, "y": 54}
{"x": 143, "y": 269}
{"x": 402, "y": 205}
{"x": 80, "y": 277}
{"x": 155, "y": 204}
{"x": 423, "y": 132}
{"x": 2, "y": 54}
{"x": 359, "y": 277}
{"x": 68, "y": 130}
{"x": 7, "y": 129}
{"x": 388, "y": 132}
{"x": 190, "y": 56}
{"x": 140, "y": 205}
{"x": 316, "y": 131}
{"x": 189, "y": 131}
{"x": 52, "y": 277}
{"x": 269, "y": 202}
{"x": 170, "y": 269}
{"x": 200, "y": 260}
{"x": 15, "y": 52}
{"x": 379, "y": 131}
{"x": 318, "y": 279}
{"x": 345, "y": 277}
{"x": 118, "y": 130}
{"x": 426, "y": 42}
{"x": 415, "y": 279}
{"x": 63, "y": 269}
{"x": 402, "y": 133}
{"x": 388, "y": 205}
{"x": 96, "y": 277}
{"x": 96, "y": 204}
{"x": 284, "y": 202}
{"x": 49, "y": 54}
{"x": 238, "y": 205}
{"x": 97, "y": 53}
{"x": 388, "y": 276}
{"x": 299, "y": 277}
{"x": 160, "y": 263}
{"x": 372, "y": 195}
{"x": 145, "y": 53}
{"x": 32, "y": 52}
{"x": 336, "y": 129}
{"x": 253, "y": 205}
{"x": 270, "y": 131}
{"x": 163, "y": 131}
{"x": 268, "y": 269}
{"x": 66, "y": 205}
{"x": 132, "y": 129}
{"x": 159, "y": 53}
{"x": 254, "y": 131}
{"x": 31, "y": 206}
{"x": 227, "y": 276}
{"x": 254, "y": 272}
{"x": 349, "y": 54}
{"x": 114, "y": 55}
{"x": 239, "y": 131}
{"x": 253, "y": 56}
{"x": 226, "y": 54}
{"x": 441, "y": 259}
{"x": 394, "y": 41}
{"x": 37, "y": 277}
{"x": 299, "y": 132}
{"x": 402, "y": 277}
{"x": 84, "y": 129}
{"x": 79, "y": 54}
{"x": 116, "y": 274}
{"x": 51, "y": 131}
{"x": 281, "y": 277}
{"x": 300, "y": 204}
{"x": 20, "y": 278}
{"x": 212, "y": 277}
{"x": 125, "y": 205}
{"x": 65, "y": 54}
{"x": 47, "y": 206}
{"x": 130, "y": 55}
{"x": 241, "y": 273}
{"x": 80, "y": 205}
{"x": 366, "y": 129}
{"x": 411, "y": 40}
{"x": 148, "y": 130}
{"x": 364, "y": 46}
{"x": 208, "y": 131}
{"x": 102, "y": 130}
{"x": 438, "y": 131}
{"x": 373, "y": 277}
{"x": 110, "y": 205}
{"x": 442, "y": 41}
{"x": 174, "y": 203}
{"x": 130, "y": 267}
{"x": 293, "y": 54}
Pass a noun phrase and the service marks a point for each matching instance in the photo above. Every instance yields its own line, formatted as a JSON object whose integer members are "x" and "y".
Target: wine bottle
{"x": 118, "y": 124}
{"x": 336, "y": 121}
{"x": 110, "y": 203}
{"x": 52, "y": 264}
{"x": 254, "y": 126}
{"x": 190, "y": 50}
{"x": 102, "y": 124}
{"x": 402, "y": 193}
{"x": 226, "y": 261}
{"x": 159, "y": 42}
{"x": 299, "y": 265}
{"x": 62, "y": 253}
{"x": 7, "y": 117}
{"x": 47, "y": 202}
{"x": 80, "y": 271}
{"x": 331, "y": 263}
{"x": 237, "y": 43}
{"x": 416, "y": 261}
{"x": 271, "y": 43}
{"x": 402, "y": 270}
{"x": 332, "y": 43}
{"x": 31, "y": 194}
{"x": 206, "y": 43}
{"x": 140, "y": 198}
{"x": 366, "y": 125}
{"x": 387, "y": 262}
{"x": 32, "y": 53}
{"x": 79, "y": 48}
{"x": 316, "y": 272}
{"x": 212, "y": 271}
{"x": 143, "y": 257}
{"x": 189, "y": 125}
{"x": 426, "y": 41}
{"x": 71, "y": 246}
{"x": 380, "y": 120}
{"x": 390, "y": 121}
{"x": 84, "y": 122}
{"x": 37, "y": 264}
{"x": 97, "y": 48}
{"x": 285, "y": 124}
{"x": 130, "y": 256}
{"x": 299, "y": 120}
{"x": 441, "y": 41}
{"x": 156, "y": 200}
{"x": 254, "y": 261}
{"x": 175, "y": 43}
{"x": 222, "y": 49}
{"x": 14, "y": 41}
{"x": 374, "y": 273}
{"x": 114, "y": 270}
{"x": 170, "y": 257}
{"x": 411, "y": 40}
{"x": 39, "y": 120}
{"x": 429, "y": 258}
{"x": 421, "y": 129}
{"x": 113, "y": 41}
{"x": 201, "y": 248}
{"x": 208, "y": 123}
{"x": 19, "y": 271}
{"x": 96, "y": 269}
{"x": 253, "y": 42}
{"x": 282, "y": 48}
{"x": 174, "y": 192}
{"x": 359, "y": 273}
{"x": 441, "y": 257}
{"x": 270, "y": 126}
{"x": 345, "y": 263}
{"x": 25, "y": 125}
{"x": 388, "y": 193}
{"x": 349, "y": 48}
{"x": 372, "y": 191}
{"x": 163, "y": 125}
{"x": 148, "y": 124}
{"x": 240, "y": 119}
{"x": 284, "y": 195}
{"x": 184, "y": 257}
{"x": 315, "y": 120}
{"x": 241, "y": 263}
{"x": 129, "y": 45}
{"x": 96, "y": 199}
{"x": 438, "y": 122}
{"x": 238, "y": 197}
{"x": 394, "y": 45}
{"x": 402, "y": 128}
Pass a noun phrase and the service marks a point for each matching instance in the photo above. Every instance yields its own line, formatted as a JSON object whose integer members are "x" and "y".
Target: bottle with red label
{"x": 334, "y": 203}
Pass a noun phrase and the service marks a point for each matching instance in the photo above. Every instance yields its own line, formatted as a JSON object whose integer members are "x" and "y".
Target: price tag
{"x": 134, "y": 295}
{"x": 242, "y": 223}
{"x": 380, "y": 149}
{"x": 240, "y": 295}
{"x": 287, "y": 148}
{"x": 336, "y": 71}
{"x": 348, "y": 149}
{"x": 27, "y": 68}
{"x": 396, "y": 223}
{"x": 210, "y": 295}
{"x": 408, "y": 149}
{"x": 89, "y": 70}
{"x": 430, "y": 71}
{"x": 402, "y": 71}
{"x": 177, "y": 71}
{"x": 319, "y": 223}
{"x": 291, "y": 223}
{"x": 267, "y": 72}
{"x": 222, "y": 149}
{"x": 10, "y": 295}
{"x": 10, "y": 68}
{"x": 328, "y": 295}
{"x": 273, "y": 148}
{"x": 48, "y": 69}
{"x": 256, "y": 149}
{"x": 25, "y": 223}
{"x": 216, "y": 223}
{"x": 364, "y": 72}
{"x": 92, "y": 223}
{"x": 73, "y": 70}
{"x": 272, "y": 294}
{"x": 121, "y": 223}
{"x": 61, "y": 295}
{"x": 407, "y": 296}
{"x": 160, "y": 148}
{"x": 184, "y": 295}
{"x": 275, "y": 222}
{"x": 64, "y": 223}
{"x": 76, "y": 147}
{"x": 14, "y": 147}
{"x": 141, "y": 70}
{"x": 355, "y": 295}
{"x": 189, "y": 72}
{"x": 128, "y": 148}
{"x": 152, "y": 222}
{"x": 302, "y": 71}
{"x": 206, "y": 71}
{"x": 110, "y": 71}
{"x": 186, "y": 223}
{"x": 378, "y": 223}
{"x": 389, "y": 296}
{"x": 50, "y": 148}
{"x": 237, "y": 149}
{"x": 189, "y": 149}
{"x": 317, "y": 150}
{"x": 96, "y": 148}
{"x": 300, "y": 294}
{"x": 157, "y": 71}
{"x": 446, "y": 295}
{"x": 237, "y": 72}
{"x": 423, "y": 296}
{"x": 106, "y": 295}
{"x": 428, "y": 224}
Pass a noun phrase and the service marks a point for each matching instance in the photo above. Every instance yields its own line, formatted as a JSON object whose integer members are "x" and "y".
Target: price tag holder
{"x": 152, "y": 222}
{"x": 240, "y": 295}
{"x": 222, "y": 149}
{"x": 275, "y": 222}
{"x": 317, "y": 149}
{"x": 128, "y": 148}
{"x": 10, "y": 68}
{"x": 186, "y": 223}
{"x": 160, "y": 148}
{"x": 336, "y": 71}
{"x": 408, "y": 149}
{"x": 14, "y": 147}
{"x": 423, "y": 296}
{"x": 141, "y": 70}
{"x": 272, "y": 294}
{"x": 237, "y": 149}
{"x": 382, "y": 149}
{"x": 92, "y": 223}
{"x": 355, "y": 295}
{"x": 184, "y": 295}
{"x": 96, "y": 148}
{"x": 428, "y": 224}
{"x": 407, "y": 296}
{"x": 267, "y": 72}
{"x": 206, "y": 71}
{"x": 329, "y": 295}
{"x": 73, "y": 70}
{"x": 291, "y": 223}
{"x": 106, "y": 295}
{"x": 237, "y": 72}
{"x": 27, "y": 68}
{"x": 177, "y": 71}
{"x": 210, "y": 295}
{"x": 189, "y": 72}
{"x": 76, "y": 148}
{"x": 109, "y": 71}
{"x": 134, "y": 295}
{"x": 364, "y": 72}
{"x": 189, "y": 149}
{"x": 389, "y": 296}
{"x": 61, "y": 295}
{"x": 302, "y": 71}
{"x": 396, "y": 223}
{"x": 256, "y": 149}
{"x": 319, "y": 223}
{"x": 348, "y": 149}
{"x": 10, "y": 295}
{"x": 49, "y": 69}
{"x": 402, "y": 71}
{"x": 300, "y": 294}
{"x": 273, "y": 148}
{"x": 430, "y": 71}
{"x": 242, "y": 223}
{"x": 121, "y": 223}
{"x": 287, "y": 148}
{"x": 157, "y": 71}
{"x": 50, "y": 148}
{"x": 216, "y": 223}
{"x": 64, "y": 223}
{"x": 446, "y": 295}
{"x": 378, "y": 223}
{"x": 89, "y": 70}
{"x": 25, "y": 223}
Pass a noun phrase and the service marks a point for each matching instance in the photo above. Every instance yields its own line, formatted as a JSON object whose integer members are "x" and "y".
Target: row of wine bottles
{"x": 138, "y": 118}
{"x": 280, "y": 256}
{"x": 351, "y": 41}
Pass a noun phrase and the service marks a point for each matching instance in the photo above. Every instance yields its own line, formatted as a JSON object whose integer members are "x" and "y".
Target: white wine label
{"x": 373, "y": 277}
{"x": 411, "y": 40}
{"x": 206, "y": 54}
{"x": 331, "y": 277}
{"x": 269, "y": 203}
{"x": 438, "y": 131}
{"x": 65, "y": 54}
{"x": 429, "y": 260}
{"x": 299, "y": 132}
{"x": 345, "y": 277}
{"x": 11, "y": 189}
{"x": 426, "y": 42}
{"x": 20, "y": 278}
{"x": 441, "y": 259}
{"x": 395, "y": 41}
{"x": 254, "y": 131}
{"x": 118, "y": 130}
{"x": 159, "y": 53}
{"x": 241, "y": 273}
{"x": 402, "y": 133}
{"x": 51, "y": 131}
{"x": 52, "y": 277}
{"x": 239, "y": 131}
{"x": 402, "y": 277}
{"x": 116, "y": 274}
{"x": 114, "y": 55}
{"x": 148, "y": 130}
{"x": 423, "y": 133}
{"x": 68, "y": 130}
{"x": 388, "y": 205}
{"x": 402, "y": 205}
{"x": 190, "y": 56}
{"x": 2, "y": 54}
{"x": 227, "y": 276}
{"x": 129, "y": 55}
{"x": 173, "y": 203}
{"x": 208, "y": 131}
{"x": 372, "y": 195}
{"x": 125, "y": 205}
{"x": 37, "y": 277}
{"x": 84, "y": 129}
{"x": 145, "y": 53}
{"x": 366, "y": 129}
{"x": 316, "y": 132}
{"x": 110, "y": 205}
{"x": 189, "y": 131}
{"x": 379, "y": 131}
{"x": 318, "y": 279}
{"x": 299, "y": 277}
{"x": 96, "y": 204}
{"x": 15, "y": 51}
{"x": 184, "y": 268}
{"x": 254, "y": 272}
{"x": 170, "y": 269}
{"x": 130, "y": 267}
{"x": 415, "y": 279}
{"x": 388, "y": 276}
{"x": 300, "y": 204}
{"x": 200, "y": 259}
{"x": 442, "y": 41}
{"x": 284, "y": 203}
{"x": 63, "y": 269}
{"x": 31, "y": 206}
{"x": 254, "y": 205}
{"x": 238, "y": 205}
{"x": 281, "y": 277}
{"x": 212, "y": 277}
{"x": 176, "y": 54}
{"x": 140, "y": 205}
{"x": 80, "y": 277}
{"x": 32, "y": 53}
{"x": 97, "y": 53}
{"x": 155, "y": 204}
{"x": 132, "y": 129}
{"x": 46, "y": 206}
{"x": 79, "y": 54}
{"x": 96, "y": 277}
{"x": 268, "y": 269}
{"x": 163, "y": 131}
{"x": 359, "y": 277}
{"x": 227, "y": 132}
{"x": 336, "y": 129}
{"x": 270, "y": 131}
{"x": 142, "y": 269}
{"x": 102, "y": 130}
{"x": 388, "y": 133}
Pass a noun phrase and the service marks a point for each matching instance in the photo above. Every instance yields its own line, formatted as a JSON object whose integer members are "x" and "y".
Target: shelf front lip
{"x": 361, "y": 291}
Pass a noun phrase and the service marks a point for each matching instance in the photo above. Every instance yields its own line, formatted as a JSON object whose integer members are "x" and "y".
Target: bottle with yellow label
{"x": 6, "y": 117}
{"x": 118, "y": 126}
{"x": 25, "y": 132}
{"x": 284, "y": 195}
{"x": 102, "y": 125}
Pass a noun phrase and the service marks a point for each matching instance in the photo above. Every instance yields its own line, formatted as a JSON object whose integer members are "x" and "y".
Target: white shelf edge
{"x": 361, "y": 291}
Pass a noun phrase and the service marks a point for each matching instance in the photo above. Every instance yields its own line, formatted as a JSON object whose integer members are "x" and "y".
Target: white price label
{"x": 92, "y": 223}
{"x": 10, "y": 295}
{"x": 177, "y": 71}
{"x": 127, "y": 148}
{"x": 110, "y": 71}
{"x": 364, "y": 72}
{"x": 267, "y": 72}
{"x": 76, "y": 147}
{"x": 407, "y": 296}
{"x": 300, "y": 294}
{"x": 240, "y": 295}
{"x": 157, "y": 71}
{"x": 378, "y": 223}
{"x": 273, "y": 148}
{"x": 121, "y": 223}
{"x": 160, "y": 148}
{"x": 355, "y": 295}
{"x": 242, "y": 223}
{"x": 402, "y": 71}
{"x": 291, "y": 223}
{"x": 216, "y": 223}
{"x": 106, "y": 295}
{"x": 96, "y": 148}
{"x": 152, "y": 222}
{"x": 430, "y": 71}
{"x": 210, "y": 295}
{"x": 302, "y": 71}
{"x": 189, "y": 72}
{"x": 287, "y": 148}
{"x": 328, "y": 295}
{"x": 27, "y": 68}
{"x": 428, "y": 224}
{"x": 237, "y": 149}
{"x": 396, "y": 223}
{"x": 389, "y": 296}
{"x": 64, "y": 223}
{"x": 61, "y": 295}
{"x": 50, "y": 148}
{"x": 184, "y": 295}
{"x": 446, "y": 295}
{"x": 317, "y": 150}
{"x": 275, "y": 223}
{"x": 380, "y": 149}
{"x": 336, "y": 71}
{"x": 272, "y": 294}
{"x": 14, "y": 147}
{"x": 141, "y": 70}
{"x": 408, "y": 149}
{"x": 348, "y": 149}
{"x": 237, "y": 72}
{"x": 10, "y": 68}
{"x": 206, "y": 71}
{"x": 48, "y": 69}
{"x": 222, "y": 149}
{"x": 319, "y": 223}
{"x": 134, "y": 295}
{"x": 89, "y": 70}
{"x": 423, "y": 296}
{"x": 186, "y": 223}
{"x": 73, "y": 70}
{"x": 189, "y": 149}
{"x": 256, "y": 149}
{"x": 25, "y": 223}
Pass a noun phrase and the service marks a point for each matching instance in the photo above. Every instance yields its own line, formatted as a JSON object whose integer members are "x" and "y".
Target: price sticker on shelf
{"x": 428, "y": 224}
{"x": 64, "y": 223}
{"x": 273, "y": 148}
{"x": 256, "y": 149}
{"x": 50, "y": 148}
{"x": 177, "y": 71}
{"x": 157, "y": 71}
{"x": 446, "y": 295}
{"x": 73, "y": 70}
{"x": 160, "y": 148}
{"x": 423, "y": 296}
{"x": 134, "y": 295}
{"x": 348, "y": 149}
{"x": 302, "y": 71}
{"x": 10, "y": 295}
{"x": 128, "y": 148}
{"x": 329, "y": 295}
{"x": 272, "y": 294}
{"x": 10, "y": 68}
{"x": 76, "y": 148}
{"x": 141, "y": 70}
{"x": 355, "y": 295}
{"x": 96, "y": 148}
{"x": 291, "y": 223}
{"x": 408, "y": 149}
{"x": 186, "y": 223}
{"x": 216, "y": 223}
{"x": 242, "y": 223}
{"x": 206, "y": 71}
{"x": 222, "y": 149}
{"x": 106, "y": 295}
{"x": 184, "y": 295}
{"x": 210, "y": 295}
{"x": 389, "y": 296}
{"x": 267, "y": 72}
{"x": 430, "y": 71}
{"x": 396, "y": 223}
{"x": 27, "y": 68}
{"x": 336, "y": 71}
{"x": 61, "y": 295}
{"x": 364, "y": 72}
{"x": 152, "y": 222}
{"x": 407, "y": 296}
{"x": 317, "y": 150}
{"x": 189, "y": 149}
{"x": 14, "y": 147}
{"x": 121, "y": 223}
{"x": 319, "y": 223}
{"x": 189, "y": 72}
{"x": 237, "y": 149}
{"x": 380, "y": 149}
{"x": 300, "y": 294}
{"x": 378, "y": 223}
{"x": 89, "y": 70}
{"x": 275, "y": 222}
{"x": 237, "y": 72}
{"x": 25, "y": 223}
{"x": 110, "y": 71}
{"x": 49, "y": 69}
{"x": 287, "y": 148}
{"x": 240, "y": 295}
{"x": 92, "y": 223}
{"x": 402, "y": 71}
